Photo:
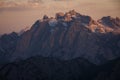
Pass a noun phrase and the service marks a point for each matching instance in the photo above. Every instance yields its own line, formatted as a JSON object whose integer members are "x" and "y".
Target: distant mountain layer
{"x": 68, "y": 36}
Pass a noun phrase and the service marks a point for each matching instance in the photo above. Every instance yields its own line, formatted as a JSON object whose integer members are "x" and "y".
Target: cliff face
{"x": 69, "y": 36}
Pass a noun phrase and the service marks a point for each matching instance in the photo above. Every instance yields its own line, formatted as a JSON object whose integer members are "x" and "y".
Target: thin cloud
{"x": 35, "y": 1}
{"x": 27, "y": 3}
{"x": 63, "y": 0}
{"x": 18, "y": 6}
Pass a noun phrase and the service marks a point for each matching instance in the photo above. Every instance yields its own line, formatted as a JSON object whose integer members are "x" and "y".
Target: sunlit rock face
{"x": 68, "y": 36}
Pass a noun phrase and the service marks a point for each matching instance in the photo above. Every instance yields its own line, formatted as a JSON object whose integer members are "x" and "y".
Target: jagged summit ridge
{"x": 103, "y": 25}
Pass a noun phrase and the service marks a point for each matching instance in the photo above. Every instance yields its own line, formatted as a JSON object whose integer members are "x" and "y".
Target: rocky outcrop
{"x": 60, "y": 15}
{"x": 45, "y": 17}
{"x": 110, "y": 22}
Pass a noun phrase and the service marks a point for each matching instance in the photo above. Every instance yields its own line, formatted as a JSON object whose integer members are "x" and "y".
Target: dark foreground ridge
{"x": 41, "y": 68}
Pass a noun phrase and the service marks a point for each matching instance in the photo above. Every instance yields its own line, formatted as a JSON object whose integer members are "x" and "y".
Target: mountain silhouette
{"x": 69, "y": 46}
{"x": 71, "y": 35}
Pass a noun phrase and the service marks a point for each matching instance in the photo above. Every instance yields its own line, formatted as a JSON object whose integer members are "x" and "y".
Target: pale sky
{"x": 18, "y": 14}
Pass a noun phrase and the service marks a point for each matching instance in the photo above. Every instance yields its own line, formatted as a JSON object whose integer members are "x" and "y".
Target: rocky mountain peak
{"x": 110, "y": 22}
{"x": 118, "y": 19}
{"x": 69, "y": 35}
{"x": 60, "y": 15}
{"x": 45, "y": 17}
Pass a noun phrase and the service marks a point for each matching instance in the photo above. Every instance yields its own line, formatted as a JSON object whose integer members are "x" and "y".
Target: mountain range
{"x": 68, "y": 46}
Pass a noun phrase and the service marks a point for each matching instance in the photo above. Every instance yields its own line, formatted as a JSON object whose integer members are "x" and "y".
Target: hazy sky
{"x": 18, "y": 14}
